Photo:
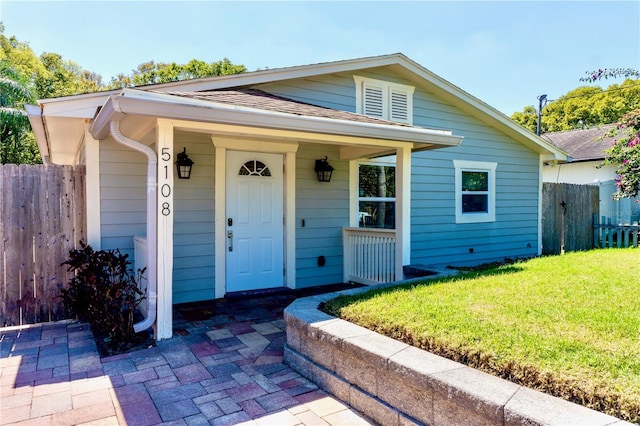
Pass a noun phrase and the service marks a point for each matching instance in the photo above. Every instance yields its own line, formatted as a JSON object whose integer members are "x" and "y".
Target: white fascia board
{"x": 523, "y": 135}
{"x": 179, "y": 108}
{"x": 78, "y": 106}
{"x": 276, "y": 74}
{"x": 37, "y": 125}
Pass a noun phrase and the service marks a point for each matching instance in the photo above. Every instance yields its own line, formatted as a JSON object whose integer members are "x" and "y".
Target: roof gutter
{"x": 152, "y": 184}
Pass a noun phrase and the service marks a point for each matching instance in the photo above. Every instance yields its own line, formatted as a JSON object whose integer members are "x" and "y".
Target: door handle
{"x": 230, "y": 237}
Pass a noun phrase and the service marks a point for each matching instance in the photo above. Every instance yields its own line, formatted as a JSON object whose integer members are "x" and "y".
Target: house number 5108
{"x": 165, "y": 188}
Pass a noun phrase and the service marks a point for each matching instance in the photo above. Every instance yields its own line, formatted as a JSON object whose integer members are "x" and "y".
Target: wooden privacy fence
{"x": 41, "y": 219}
{"x": 567, "y": 217}
{"x": 606, "y": 234}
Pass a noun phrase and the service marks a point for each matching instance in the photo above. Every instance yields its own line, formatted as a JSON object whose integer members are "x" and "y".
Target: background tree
{"x": 625, "y": 151}
{"x": 26, "y": 77}
{"x": 15, "y": 144}
{"x": 154, "y": 73}
{"x": 60, "y": 77}
{"x": 528, "y": 117}
{"x": 585, "y": 106}
{"x": 625, "y": 154}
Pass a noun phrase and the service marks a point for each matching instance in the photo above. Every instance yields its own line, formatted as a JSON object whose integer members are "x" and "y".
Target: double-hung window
{"x": 377, "y": 196}
{"x": 384, "y": 99}
{"x": 475, "y": 191}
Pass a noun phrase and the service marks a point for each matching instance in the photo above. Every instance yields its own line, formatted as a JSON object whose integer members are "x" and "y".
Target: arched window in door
{"x": 254, "y": 168}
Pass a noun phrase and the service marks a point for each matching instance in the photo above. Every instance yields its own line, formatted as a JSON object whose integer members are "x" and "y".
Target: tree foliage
{"x": 585, "y": 106}
{"x": 625, "y": 154}
{"x": 593, "y": 76}
{"x": 154, "y": 73}
{"x": 25, "y": 77}
{"x": 16, "y": 143}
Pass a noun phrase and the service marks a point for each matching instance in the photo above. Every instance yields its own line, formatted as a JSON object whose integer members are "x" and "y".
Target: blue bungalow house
{"x": 301, "y": 176}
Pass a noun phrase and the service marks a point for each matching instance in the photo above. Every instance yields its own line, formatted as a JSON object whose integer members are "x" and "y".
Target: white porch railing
{"x": 369, "y": 255}
{"x": 140, "y": 262}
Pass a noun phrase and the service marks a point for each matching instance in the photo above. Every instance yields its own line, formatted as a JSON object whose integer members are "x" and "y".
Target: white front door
{"x": 254, "y": 221}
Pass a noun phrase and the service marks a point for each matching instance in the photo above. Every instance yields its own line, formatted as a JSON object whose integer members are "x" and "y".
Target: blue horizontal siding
{"x": 324, "y": 207}
{"x": 433, "y": 180}
{"x": 193, "y": 225}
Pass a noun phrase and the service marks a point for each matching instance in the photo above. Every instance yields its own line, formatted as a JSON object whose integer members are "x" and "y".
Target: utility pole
{"x": 542, "y": 102}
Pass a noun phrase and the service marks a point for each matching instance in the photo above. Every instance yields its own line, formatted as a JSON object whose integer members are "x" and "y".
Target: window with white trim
{"x": 384, "y": 99}
{"x": 376, "y": 195}
{"x": 475, "y": 186}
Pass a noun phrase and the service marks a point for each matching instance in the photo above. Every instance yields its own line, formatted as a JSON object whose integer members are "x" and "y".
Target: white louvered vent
{"x": 373, "y": 102}
{"x": 384, "y": 99}
{"x": 399, "y": 106}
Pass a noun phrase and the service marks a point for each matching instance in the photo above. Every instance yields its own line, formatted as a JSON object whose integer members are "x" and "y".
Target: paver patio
{"x": 223, "y": 366}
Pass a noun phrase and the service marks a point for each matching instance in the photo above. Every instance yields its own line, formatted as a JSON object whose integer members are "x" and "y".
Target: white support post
{"x": 92, "y": 189}
{"x": 220, "y": 221}
{"x": 290, "y": 215}
{"x": 403, "y": 209}
{"x": 165, "y": 210}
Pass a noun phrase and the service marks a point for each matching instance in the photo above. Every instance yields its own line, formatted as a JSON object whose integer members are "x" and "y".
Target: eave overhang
{"x": 226, "y": 117}
{"x": 39, "y": 130}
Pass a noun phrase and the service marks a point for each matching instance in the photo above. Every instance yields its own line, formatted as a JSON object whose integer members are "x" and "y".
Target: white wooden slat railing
{"x": 369, "y": 255}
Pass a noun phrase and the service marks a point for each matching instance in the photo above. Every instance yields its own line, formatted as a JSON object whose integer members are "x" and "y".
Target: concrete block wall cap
{"x": 536, "y": 408}
{"x": 476, "y": 385}
{"x": 373, "y": 348}
{"x": 340, "y": 329}
{"x": 419, "y": 364}
{"x": 308, "y": 315}
{"x": 304, "y": 303}
{"x": 315, "y": 330}
{"x": 351, "y": 292}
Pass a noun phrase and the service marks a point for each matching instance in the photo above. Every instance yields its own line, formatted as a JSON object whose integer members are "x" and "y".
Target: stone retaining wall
{"x": 396, "y": 384}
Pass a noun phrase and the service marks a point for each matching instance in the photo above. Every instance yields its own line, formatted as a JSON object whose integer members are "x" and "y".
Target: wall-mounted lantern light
{"x": 184, "y": 165}
{"x": 324, "y": 170}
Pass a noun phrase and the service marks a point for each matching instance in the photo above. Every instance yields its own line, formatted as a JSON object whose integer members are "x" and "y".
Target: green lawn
{"x": 568, "y": 325}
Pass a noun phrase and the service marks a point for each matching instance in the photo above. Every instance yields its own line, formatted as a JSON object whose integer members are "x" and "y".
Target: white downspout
{"x": 152, "y": 185}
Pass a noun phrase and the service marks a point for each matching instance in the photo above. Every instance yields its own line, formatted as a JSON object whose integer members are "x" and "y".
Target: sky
{"x": 506, "y": 53}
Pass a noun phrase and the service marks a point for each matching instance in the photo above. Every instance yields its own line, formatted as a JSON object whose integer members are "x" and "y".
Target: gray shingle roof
{"x": 583, "y": 144}
{"x": 253, "y": 98}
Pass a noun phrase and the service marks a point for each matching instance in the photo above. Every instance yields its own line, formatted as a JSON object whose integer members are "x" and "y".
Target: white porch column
{"x": 403, "y": 209}
{"x": 290, "y": 216}
{"x": 92, "y": 188}
{"x": 220, "y": 212}
{"x": 164, "y": 211}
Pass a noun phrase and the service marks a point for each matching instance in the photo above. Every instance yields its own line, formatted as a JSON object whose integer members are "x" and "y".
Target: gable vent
{"x": 373, "y": 102}
{"x": 384, "y": 99}
{"x": 399, "y": 106}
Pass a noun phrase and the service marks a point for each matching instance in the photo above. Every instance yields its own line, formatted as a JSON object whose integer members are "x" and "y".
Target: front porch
{"x": 253, "y": 215}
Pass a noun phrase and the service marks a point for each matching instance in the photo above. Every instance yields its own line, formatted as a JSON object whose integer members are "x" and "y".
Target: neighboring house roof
{"x": 584, "y": 144}
{"x": 59, "y": 123}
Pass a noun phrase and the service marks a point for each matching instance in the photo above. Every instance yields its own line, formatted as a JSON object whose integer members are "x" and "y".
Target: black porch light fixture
{"x": 324, "y": 170}
{"x": 184, "y": 165}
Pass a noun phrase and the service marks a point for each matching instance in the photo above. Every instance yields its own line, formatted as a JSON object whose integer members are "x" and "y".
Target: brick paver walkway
{"x": 223, "y": 366}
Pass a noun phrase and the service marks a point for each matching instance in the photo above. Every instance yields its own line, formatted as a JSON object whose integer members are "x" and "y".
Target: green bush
{"x": 103, "y": 292}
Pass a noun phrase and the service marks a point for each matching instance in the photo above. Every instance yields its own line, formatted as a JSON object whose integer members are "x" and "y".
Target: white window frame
{"x": 387, "y": 91}
{"x": 389, "y": 161}
{"x": 475, "y": 166}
